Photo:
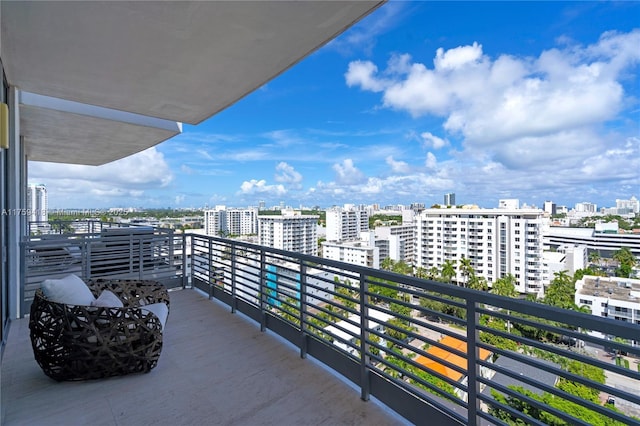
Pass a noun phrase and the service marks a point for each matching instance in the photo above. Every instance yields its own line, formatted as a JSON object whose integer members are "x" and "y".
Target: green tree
{"x": 387, "y": 264}
{"x": 594, "y": 257}
{"x": 466, "y": 269}
{"x": 626, "y": 261}
{"x": 421, "y": 273}
{"x": 434, "y": 273}
{"x": 448, "y": 271}
{"x": 401, "y": 267}
{"x": 561, "y": 291}
{"x": 477, "y": 282}
{"x": 505, "y": 286}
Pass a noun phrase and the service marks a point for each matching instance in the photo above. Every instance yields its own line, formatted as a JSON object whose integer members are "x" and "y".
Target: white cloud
{"x": 203, "y": 153}
{"x": 347, "y": 173}
{"x": 431, "y": 162}
{"x": 432, "y": 141}
{"x": 186, "y": 169}
{"x": 287, "y": 174}
{"x": 255, "y": 186}
{"x": 397, "y": 166}
{"x": 458, "y": 57}
{"x": 541, "y": 112}
{"x": 361, "y": 73}
{"x": 119, "y": 181}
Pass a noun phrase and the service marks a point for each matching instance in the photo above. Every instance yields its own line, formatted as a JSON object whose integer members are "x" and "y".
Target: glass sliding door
{"x": 4, "y": 226}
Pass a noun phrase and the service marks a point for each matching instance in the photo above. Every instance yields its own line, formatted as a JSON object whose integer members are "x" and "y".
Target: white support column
{"x": 16, "y": 177}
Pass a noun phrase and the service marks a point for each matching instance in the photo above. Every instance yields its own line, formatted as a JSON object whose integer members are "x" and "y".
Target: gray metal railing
{"x": 426, "y": 349}
{"x": 433, "y": 352}
{"x": 115, "y": 252}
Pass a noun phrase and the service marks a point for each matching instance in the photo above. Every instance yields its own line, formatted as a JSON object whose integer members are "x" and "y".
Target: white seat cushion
{"x": 160, "y": 310}
{"x": 70, "y": 290}
{"x": 108, "y": 299}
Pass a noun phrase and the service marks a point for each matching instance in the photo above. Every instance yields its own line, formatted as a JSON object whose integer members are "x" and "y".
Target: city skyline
{"x": 536, "y": 101}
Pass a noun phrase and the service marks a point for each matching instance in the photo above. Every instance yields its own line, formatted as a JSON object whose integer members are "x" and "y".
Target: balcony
{"x": 250, "y": 368}
{"x": 207, "y": 375}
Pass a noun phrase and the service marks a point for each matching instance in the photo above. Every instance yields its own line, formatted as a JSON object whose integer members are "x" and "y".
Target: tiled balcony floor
{"x": 216, "y": 368}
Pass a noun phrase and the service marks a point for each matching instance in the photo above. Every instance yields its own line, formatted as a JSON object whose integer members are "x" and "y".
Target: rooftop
{"x": 448, "y": 356}
{"x": 612, "y": 287}
{"x": 206, "y": 375}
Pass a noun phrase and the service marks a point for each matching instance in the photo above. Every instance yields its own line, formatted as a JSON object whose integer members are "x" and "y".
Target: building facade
{"x": 361, "y": 253}
{"x": 497, "y": 242}
{"x": 600, "y": 240}
{"x": 450, "y": 199}
{"x": 215, "y": 221}
{"x": 346, "y": 223}
{"x": 610, "y": 297}
{"x": 242, "y": 221}
{"x": 397, "y": 242}
{"x": 290, "y": 230}
{"x": 224, "y": 221}
{"x": 37, "y": 203}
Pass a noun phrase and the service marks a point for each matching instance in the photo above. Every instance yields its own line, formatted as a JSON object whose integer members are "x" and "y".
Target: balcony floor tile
{"x": 216, "y": 368}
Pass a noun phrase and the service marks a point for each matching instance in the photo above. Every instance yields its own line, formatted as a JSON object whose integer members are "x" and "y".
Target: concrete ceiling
{"x": 181, "y": 61}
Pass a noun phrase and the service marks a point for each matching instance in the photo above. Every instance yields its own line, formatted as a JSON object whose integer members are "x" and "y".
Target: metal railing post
{"x": 141, "y": 260}
{"x": 86, "y": 245}
{"x": 234, "y": 299}
{"x": 212, "y": 274}
{"x": 303, "y": 309}
{"x": 365, "y": 385}
{"x": 263, "y": 293}
{"x": 184, "y": 260}
{"x": 473, "y": 368}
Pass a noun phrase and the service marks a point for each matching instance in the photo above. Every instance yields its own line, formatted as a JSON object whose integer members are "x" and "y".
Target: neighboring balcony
{"x": 427, "y": 352}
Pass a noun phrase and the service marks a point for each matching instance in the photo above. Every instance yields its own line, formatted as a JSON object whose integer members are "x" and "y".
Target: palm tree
{"x": 421, "y": 272}
{"x": 466, "y": 269}
{"x": 594, "y": 257}
{"x": 505, "y": 286}
{"x": 477, "y": 282}
{"x": 433, "y": 273}
{"x": 387, "y": 264}
{"x": 448, "y": 271}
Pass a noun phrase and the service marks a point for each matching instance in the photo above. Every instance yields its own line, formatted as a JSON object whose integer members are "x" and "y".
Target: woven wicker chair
{"x": 85, "y": 342}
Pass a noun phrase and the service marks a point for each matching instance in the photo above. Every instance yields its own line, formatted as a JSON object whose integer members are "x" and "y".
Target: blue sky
{"x": 530, "y": 100}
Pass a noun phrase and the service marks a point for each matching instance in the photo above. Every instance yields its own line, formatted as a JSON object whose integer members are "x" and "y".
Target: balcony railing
{"x": 427, "y": 350}
{"x": 102, "y": 251}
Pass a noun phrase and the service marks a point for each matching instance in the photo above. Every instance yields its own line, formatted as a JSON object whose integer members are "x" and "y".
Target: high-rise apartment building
{"x": 242, "y": 221}
{"x": 37, "y": 203}
{"x": 450, "y": 199}
{"x": 550, "y": 207}
{"x": 215, "y": 221}
{"x": 222, "y": 220}
{"x": 346, "y": 223}
{"x": 631, "y": 205}
{"x": 291, "y": 231}
{"x": 586, "y": 207}
{"x": 397, "y": 242}
{"x": 497, "y": 241}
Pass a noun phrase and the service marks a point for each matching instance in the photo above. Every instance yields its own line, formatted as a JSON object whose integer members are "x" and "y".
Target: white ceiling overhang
{"x": 179, "y": 61}
{"x": 61, "y": 131}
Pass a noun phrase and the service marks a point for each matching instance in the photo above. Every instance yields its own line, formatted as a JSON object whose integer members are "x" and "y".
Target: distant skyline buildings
{"x": 37, "y": 202}
{"x": 450, "y": 199}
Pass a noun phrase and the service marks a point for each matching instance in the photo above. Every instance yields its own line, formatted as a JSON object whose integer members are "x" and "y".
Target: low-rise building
{"x": 361, "y": 252}
{"x": 447, "y": 355}
{"x": 610, "y": 297}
